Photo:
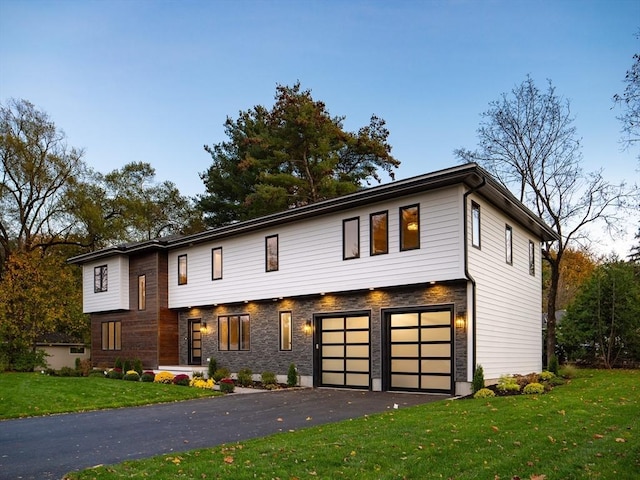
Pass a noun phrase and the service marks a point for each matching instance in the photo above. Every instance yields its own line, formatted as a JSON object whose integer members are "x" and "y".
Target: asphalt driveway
{"x": 48, "y": 447}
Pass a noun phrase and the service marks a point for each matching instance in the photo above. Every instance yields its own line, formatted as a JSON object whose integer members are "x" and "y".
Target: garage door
{"x": 344, "y": 351}
{"x": 420, "y": 351}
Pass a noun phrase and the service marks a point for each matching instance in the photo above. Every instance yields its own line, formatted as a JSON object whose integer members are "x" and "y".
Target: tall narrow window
{"x": 379, "y": 233}
{"x": 475, "y": 224}
{"x": 285, "y": 331}
{"x": 142, "y": 292}
{"x": 409, "y": 227}
{"x": 182, "y": 269}
{"x": 271, "y": 253}
{"x": 233, "y": 332}
{"x": 111, "y": 335}
{"x": 216, "y": 263}
{"x": 508, "y": 244}
{"x": 351, "y": 238}
{"x": 532, "y": 258}
{"x": 100, "y": 279}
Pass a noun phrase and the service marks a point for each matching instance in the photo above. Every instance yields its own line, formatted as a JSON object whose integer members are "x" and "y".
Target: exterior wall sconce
{"x": 203, "y": 327}
{"x": 307, "y": 328}
{"x": 461, "y": 322}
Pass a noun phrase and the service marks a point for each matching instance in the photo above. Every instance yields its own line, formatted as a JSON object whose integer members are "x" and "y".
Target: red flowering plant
{"x": 227, "y": 385}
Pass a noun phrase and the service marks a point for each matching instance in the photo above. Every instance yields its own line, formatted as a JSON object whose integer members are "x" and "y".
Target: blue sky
{"x": 153, "y": 81}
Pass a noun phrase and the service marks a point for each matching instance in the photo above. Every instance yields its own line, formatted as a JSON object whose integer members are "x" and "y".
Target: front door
{"x": 195, "y": 342}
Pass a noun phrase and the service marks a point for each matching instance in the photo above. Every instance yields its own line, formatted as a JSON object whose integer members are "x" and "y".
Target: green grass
{"x": 587, "y": 429}
{"x": 29, "y": 394}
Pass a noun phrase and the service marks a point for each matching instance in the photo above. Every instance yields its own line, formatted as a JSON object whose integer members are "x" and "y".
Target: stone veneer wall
{"x": 265, "y": 336}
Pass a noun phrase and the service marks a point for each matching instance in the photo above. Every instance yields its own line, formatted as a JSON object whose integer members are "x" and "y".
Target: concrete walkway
{"x": 48, "y": 447}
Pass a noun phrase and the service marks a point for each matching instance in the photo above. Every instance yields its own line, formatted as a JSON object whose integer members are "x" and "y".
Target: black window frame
{"x": 403, "y": 247}
{"x": 281, "y": 345}
{"x": 244, "y": 344}
{"x": 142, "y": 292}
{"x": 372, "y": 236}
{"x": 345, "y": 222}
{"x": 100, "y": 278}
{"x": 476, "y": 242}
{"x": 508, "y": 244}
{"x": 113, "y": 335}
{"x": 268, "y": 265}
{"x": 213, "y": 263}
{"x": 532, "y": 258}
{"x": 180, "y": 273}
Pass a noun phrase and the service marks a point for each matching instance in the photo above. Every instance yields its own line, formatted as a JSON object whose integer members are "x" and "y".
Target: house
{"x": 62, "y": 350}
{"x": 403, "y": 286}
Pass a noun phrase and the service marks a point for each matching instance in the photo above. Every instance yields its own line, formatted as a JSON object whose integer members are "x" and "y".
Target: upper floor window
{"x": 409, "y": 227}
{"x": 379, "y": 233}
{"x": 111, "y": 335}
{"x": 271, "y": 253}
{"x": 508, "y": 244}
{"x": 182, "y": 270}
{"x": 100, "y": 279}
{"x": 532, "y": 258}
{"x": 285, "y": 331}
{"x": 233, "y": 332}
{"x": 142, "y": 292}
{"x": 216, "y": 263}
{"x": 351, "y": 238}
{"x": 475, "y": 224}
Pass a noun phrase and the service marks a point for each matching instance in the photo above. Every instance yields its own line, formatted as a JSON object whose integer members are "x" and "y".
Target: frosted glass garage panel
{"x": 437, "y": 350}
{"x": 404, "y": 381}
{"x": 436, "y": 366}
{"x": 404, "y": 320}
{"x": 358, "y": 337}
{"x": 357, "y": 365}
{"x": 333, "y": 323}
{"x": 357, "y": 322}
{"x": 358, "y": 379}
{"x": 354, "y": 351}
{"x": 435, "y": 382}
{"x": 332, "y": 364}
{"x": 333, "y": 351}
{"x": 404, "y": 366}
{"x": 436, "y": 334}
{"x": 404, "y": 335}
{"x": 435, "y": 318}
{"x": 404, "y": 350}
{"x": 333, "y": 378}
{"x": 332, "y": 337}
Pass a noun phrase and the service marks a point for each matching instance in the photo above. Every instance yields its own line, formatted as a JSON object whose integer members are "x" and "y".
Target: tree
{"x": 527, "y": 140}
{"x": 576, "y": 267}
{"x": 292, "y": 155}
{"x": 39, "y": 294}
{"x": 629, "y": 100}
{"x": 603, "y": 323}
{"x": 35, "y": 174}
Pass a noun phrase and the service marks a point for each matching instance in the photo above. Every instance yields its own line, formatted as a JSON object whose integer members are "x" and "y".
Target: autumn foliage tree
{"x": 293, "y": 154}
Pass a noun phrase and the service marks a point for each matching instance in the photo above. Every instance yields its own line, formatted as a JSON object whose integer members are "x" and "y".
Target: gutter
{"x": 468, "y": 275}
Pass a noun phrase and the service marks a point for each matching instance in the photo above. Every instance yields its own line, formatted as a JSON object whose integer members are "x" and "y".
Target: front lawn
{"x": 29, "y": 394}
{"x": 588, "y": 428}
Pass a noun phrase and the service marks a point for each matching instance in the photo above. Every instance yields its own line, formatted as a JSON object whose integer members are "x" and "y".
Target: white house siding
{"x": 311, "y": 258}
{"x": 117, "y": 295}
{"x": 508, "y": 298}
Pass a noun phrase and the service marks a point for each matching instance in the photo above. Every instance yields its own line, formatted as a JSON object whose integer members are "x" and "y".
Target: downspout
{"x": 466, "y": 268}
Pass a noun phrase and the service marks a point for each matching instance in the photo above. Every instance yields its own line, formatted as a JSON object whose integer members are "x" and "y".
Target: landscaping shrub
{"x": 555, "y": 381}
{"x": 126, "y": 365}
{"x": 221, "y": 373}
{"x": 484, "y": 393}
{"x": 292, "y": 375}
{"x": 182, "y": 380}
{"x": 553, "y": 365}
{"x": 200, "y": 382}
{"x": 147, "y": 376}
{"x": 163, "y": 377}
{"x": 568, "y": 371}
{"x": 131, "y": 376}
{"x": 212, "y": 367}
{"x": 227, "y": 385}
{"x": 118, "y": 363}
{"x": 268, "y": 378}
{"x": 478, "y": 379}
{"x": 533, "y": 388}
{"x": 545, "y": 375}
{"x": 198, "y": 374}
{"x": 508, "y": 384}
{"x": 115, "y": 374}
{"x": 137, "y": 366}
{"x": 85, "y": 367}
{"x": 68, "y": 372}
{"x": 245, "y": 377}
{"x": 524, "y": 380}
{"x": 96, "y": 373}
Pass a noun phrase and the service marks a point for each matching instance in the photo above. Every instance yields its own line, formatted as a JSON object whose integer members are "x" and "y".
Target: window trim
{"x": 282, "y": 316}
{"x": 113, "y": 336}
{"x": 508, "y": 244}
{"x": 142, "y": 292}
{"x": 532, "y": 258}
{"x": 372, "y": 225}
{"x": 267, "y": 264}
{"x": 344, "y": 237}
{"x": 101, "y": 272}
{"x": 244, "y": 345}
{"x": 401, "y": 223}
{"x": 476, "y": 242}
{"x": 213, "y": 263}
{"x": 182, "y": 274}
